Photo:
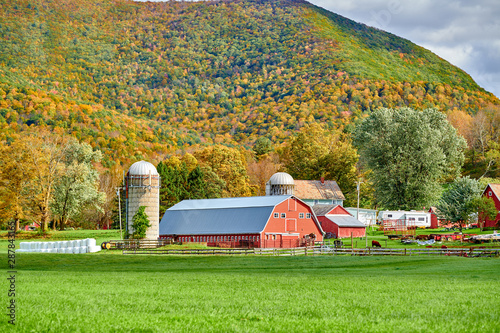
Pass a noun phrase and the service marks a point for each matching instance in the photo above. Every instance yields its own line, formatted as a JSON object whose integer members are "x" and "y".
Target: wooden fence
{"x": 323, "y": 250}
{"x": 138, "y": 243}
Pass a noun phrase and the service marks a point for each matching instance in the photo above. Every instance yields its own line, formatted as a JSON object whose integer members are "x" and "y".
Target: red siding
{"x": 346, "y": 232}
{"x": 340, "y": 232}
{"x": 434, "y": 219}
{"x": 489, "y": 193}
{"x": 222, "y": 240}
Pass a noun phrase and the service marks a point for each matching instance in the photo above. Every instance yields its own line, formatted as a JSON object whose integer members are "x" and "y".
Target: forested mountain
{"x": 140, "y": 80}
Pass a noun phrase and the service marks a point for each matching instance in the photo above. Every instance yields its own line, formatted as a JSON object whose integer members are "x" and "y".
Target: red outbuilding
{"x": 337, "y": 222}
{"x": 271, "y": 221}
{"x": 493, "y": 191}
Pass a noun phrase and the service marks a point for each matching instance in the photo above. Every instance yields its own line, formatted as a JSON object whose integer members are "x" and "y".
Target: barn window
{"x": 421, "y": 218}
{"x": 257, "y": 238}
{"x": 301, "y": 215}
{"x": 390, "y": 215}
{"x": 283, "y": 215}
{"x": 308, "y": 215}
{"x": 276, "y": 215}
{"x": 490, "y": 194}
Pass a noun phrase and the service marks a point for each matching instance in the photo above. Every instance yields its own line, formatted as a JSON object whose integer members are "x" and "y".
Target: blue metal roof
{"x": 245, "y": 202}
{"x": 219, "y": 216}
{"x": 345, "y": 221}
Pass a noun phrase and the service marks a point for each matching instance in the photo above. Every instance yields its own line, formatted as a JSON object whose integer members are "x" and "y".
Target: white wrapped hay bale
{"x": 24, "y": 247}
{"x": 91, "y": 242}
{"x": 93, "y": 249}
{"x": 76, "y": 249}
{"x": 38, "y": 247}
{"x": 68, "y": 250}
{"x": 50, "y": 245}
{"x": 63, "y": 244}
{"x": 61, "y": 250}
{"x": 53, "y": 250}
{"x": 77, "y": 243}
{"x": 84, "y": 249}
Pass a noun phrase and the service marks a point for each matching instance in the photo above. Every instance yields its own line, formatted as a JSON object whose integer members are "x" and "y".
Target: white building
{"x": 412, "y": 218}
{"x": 366, "y": 216}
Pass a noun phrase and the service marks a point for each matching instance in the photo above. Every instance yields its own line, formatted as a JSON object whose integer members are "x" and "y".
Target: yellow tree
{"x": 318, "y": 152}
{"x": 229, "y": 165}
{"x": 16, "y": 176}
{"x": 261, "y": 170}
{"x": 45, "y": 152}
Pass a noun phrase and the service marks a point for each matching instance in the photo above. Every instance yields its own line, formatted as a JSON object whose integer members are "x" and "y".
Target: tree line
{"x": 405, "y": 158}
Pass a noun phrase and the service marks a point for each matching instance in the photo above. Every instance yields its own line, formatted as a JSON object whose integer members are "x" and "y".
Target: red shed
{"x": 338, "y": 222}
{"x": 493, "y": 191}
{"x": 269, "y": 221}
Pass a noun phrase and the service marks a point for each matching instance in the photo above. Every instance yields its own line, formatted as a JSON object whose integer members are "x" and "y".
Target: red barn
{"x": 337, "y": 221}
{"x": 493, "y": 191}
{"x": 270, "y": 221}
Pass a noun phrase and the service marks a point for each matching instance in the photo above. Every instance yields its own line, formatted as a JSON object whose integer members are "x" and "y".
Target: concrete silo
{"x": 143, "y": 189}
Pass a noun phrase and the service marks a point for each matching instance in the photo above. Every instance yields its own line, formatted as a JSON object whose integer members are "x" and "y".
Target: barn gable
{"x": 493, "y": 191}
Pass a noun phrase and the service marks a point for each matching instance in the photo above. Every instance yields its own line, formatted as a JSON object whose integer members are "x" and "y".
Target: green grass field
{"x": 118, "y": 293}
{"x": 111, "y": 292}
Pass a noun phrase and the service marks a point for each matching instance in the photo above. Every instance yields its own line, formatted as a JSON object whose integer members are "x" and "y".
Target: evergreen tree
{"x": 140, "y": 223}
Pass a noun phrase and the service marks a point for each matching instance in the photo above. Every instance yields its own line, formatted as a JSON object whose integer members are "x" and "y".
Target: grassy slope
{"x": 139, "y": 79}
{"x": 92, "y": 293}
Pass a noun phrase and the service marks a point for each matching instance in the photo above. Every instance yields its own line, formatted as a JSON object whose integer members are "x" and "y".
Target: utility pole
{"x": 119, "y": 210}
{"x": 358, "y": 186}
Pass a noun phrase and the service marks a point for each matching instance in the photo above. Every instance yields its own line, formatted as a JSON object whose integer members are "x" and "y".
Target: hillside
{"x": 143, "y": 79}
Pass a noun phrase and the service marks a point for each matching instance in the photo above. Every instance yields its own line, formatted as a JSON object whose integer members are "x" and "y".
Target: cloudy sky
{"x": 464, "y": 32}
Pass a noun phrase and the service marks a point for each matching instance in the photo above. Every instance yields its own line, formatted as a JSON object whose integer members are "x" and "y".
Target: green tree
{"x": 459, "y": 201}
{"x": 140, "y": 223}
{"x": 77, "y": 188}
{"x": 178, "y": 183}
{"x": 409, "y": 153}
{"x": 262, "y": 147}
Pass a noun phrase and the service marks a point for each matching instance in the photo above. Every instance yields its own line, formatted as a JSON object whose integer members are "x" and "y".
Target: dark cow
{"x": 376, "y": 244}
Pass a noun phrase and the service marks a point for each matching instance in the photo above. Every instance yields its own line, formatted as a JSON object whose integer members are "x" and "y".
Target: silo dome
{"x": 142, "y": 168}
{"x": 281, "y": 178}
{"x": 280, "y": 183}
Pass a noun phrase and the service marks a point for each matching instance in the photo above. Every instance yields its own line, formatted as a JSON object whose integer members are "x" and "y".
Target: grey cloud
{"x": 464, "y": 32}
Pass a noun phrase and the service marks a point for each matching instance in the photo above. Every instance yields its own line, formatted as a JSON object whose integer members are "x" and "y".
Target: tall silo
{"x": 281, "y": 183}
{"x": 143, "y": 189}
